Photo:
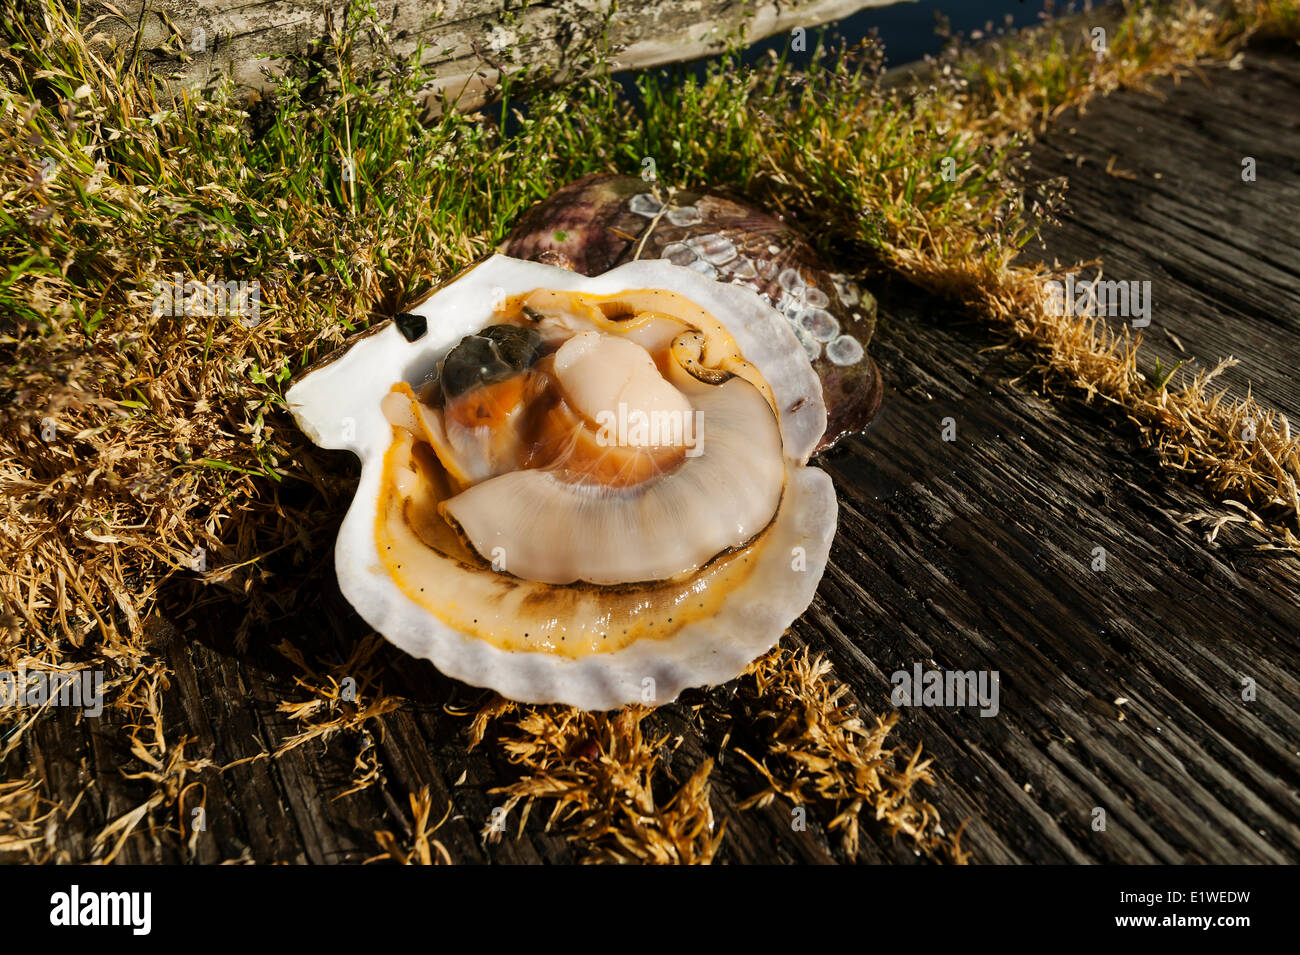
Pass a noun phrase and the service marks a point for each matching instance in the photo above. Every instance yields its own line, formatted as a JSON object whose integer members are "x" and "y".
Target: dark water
{"x": 906, "y": 30}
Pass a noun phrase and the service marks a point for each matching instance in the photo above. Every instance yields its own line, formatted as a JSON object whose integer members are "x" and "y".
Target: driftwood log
{"x": 468, "y": 42}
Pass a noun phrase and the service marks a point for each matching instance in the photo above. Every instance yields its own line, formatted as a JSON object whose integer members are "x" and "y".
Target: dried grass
{"x": 164, "y": 764}
{"x": 595, "y": 775}
{"x": 823, "y": 754}
{"x": 334, "y": 706}
{"x": 420, "y": 848}
{"x": 27, "y": 821}
{"x": 596, "y": 772}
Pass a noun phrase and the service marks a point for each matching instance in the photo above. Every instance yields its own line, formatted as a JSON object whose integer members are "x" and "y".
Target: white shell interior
{"x": 338, "y": 407}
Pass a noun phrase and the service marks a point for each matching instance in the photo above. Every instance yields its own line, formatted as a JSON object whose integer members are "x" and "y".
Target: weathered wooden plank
{"x": 976, "y": 555}
{"x": 468, "y": 42}
{"x": 1220, "y": 253}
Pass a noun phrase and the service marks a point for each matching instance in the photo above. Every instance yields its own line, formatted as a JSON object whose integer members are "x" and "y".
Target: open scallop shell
{"x": 338, "y": 405}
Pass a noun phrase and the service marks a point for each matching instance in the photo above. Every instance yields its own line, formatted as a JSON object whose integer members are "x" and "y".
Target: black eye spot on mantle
{"x": 411, "y": 326}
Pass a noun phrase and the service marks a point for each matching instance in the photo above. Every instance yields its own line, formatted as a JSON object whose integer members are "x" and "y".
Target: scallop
{"x": 581, "y": 490}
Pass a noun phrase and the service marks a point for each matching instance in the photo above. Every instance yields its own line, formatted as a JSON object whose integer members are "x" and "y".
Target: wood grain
{"x": 1222, "y": 255}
